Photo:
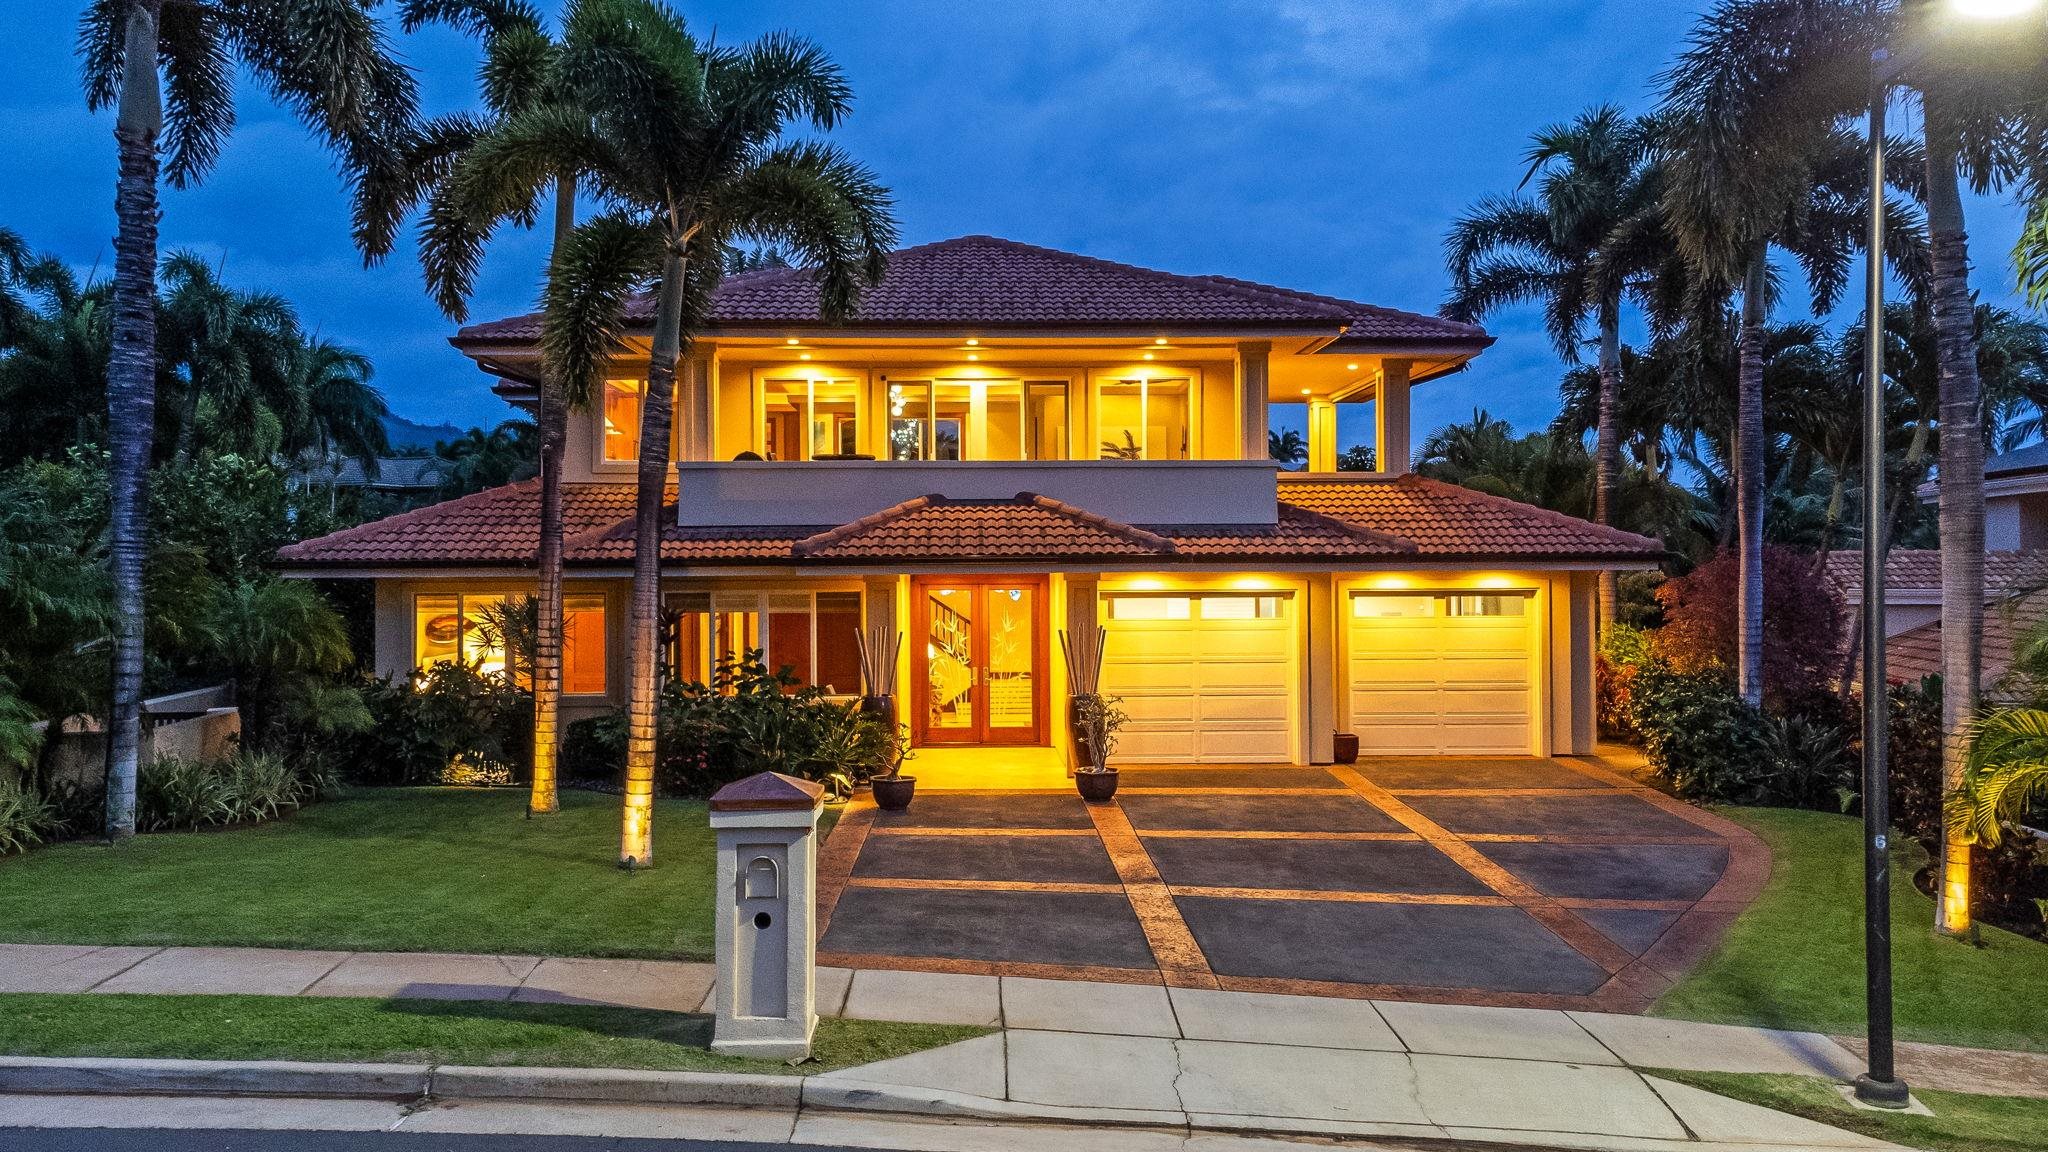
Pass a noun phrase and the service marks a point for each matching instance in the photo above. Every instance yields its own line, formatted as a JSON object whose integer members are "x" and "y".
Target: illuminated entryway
{"x": 979, "y": 660}
{"x": 1204, "y": 676}
{"x": 1437, "y": 673}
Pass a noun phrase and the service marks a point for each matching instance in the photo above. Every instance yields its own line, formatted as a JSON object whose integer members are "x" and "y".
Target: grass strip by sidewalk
{"x": 385, "y": 869}
{"x": 419, "y": 1032}
{"x": 1962, "y": 1122}
{"x": 1795, "y": 958}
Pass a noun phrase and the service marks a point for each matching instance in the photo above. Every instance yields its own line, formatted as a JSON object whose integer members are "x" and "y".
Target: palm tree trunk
{"x": 636, "y": 842}
{"x": 1961, "y": 485}
{"x": 547, "y": 633}
{"x": 1607, "y": 445}
{"x": 1749, "y": 486}
{"x": 131, "y": 398}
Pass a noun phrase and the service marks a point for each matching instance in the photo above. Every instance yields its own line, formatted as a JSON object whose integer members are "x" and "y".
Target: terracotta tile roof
{"x": 1362, "y": 521}
{"x": 1374, "y": 323}
{"x": 1444, "y": 520}
{"x": 497, "y": 525}
{"x": 1916, "y": 653}
{"x": 1027, "y": 527}
{"x": 989, "y": 282}
{"x": 1918, "y": 570}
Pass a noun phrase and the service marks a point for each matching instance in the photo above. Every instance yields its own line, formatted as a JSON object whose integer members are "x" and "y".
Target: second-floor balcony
{"x": 737, "y": 493}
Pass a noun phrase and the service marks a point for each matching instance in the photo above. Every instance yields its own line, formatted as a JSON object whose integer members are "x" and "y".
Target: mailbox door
{"x": 761, "y": 948}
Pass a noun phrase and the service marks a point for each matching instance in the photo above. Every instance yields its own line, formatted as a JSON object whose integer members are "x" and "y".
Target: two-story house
{"x": 1010, "y": 441}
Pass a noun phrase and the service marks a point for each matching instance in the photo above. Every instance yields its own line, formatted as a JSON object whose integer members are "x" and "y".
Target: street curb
{"x": 113, "y": 1077}
{"x": 94, "y": 1076}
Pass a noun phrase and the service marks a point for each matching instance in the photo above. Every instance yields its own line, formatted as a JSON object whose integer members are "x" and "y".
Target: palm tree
{"x": 1778, "y": 69}
{"x": 1598, "y": 179}
{"x": 169, "y": 69}
{"x": 229, "y": 350}
{"x": 341, "y": 412}
{"x": 2006, "y": 773}
{"x": 478, "y": 459}
{"x": 1286, "y": 447}
{"x": 1743, "y": 180}
{"x": 519, "y": 76}
{"x": 686, "y": 143}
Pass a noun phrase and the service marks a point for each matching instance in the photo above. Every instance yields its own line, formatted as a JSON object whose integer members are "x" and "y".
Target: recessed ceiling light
{"x": 1306, "y": 391}
{"x": 1351, "y": 367}
{"x": 972, "y": 343}
{"x": 792, "y": 340}
{"x": 1148, "y": 355}
{"x": 1160, "y": 340}
{"x": 972, "y": 356}
{"x": 805, "y": 356}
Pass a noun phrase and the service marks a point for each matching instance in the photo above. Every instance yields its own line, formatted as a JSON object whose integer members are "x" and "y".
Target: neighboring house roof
{"x": 986, "y": 282}
{"x": 409, "y": 473}
{"x": 1916, "y": 572}
{"x": 2032, "y": 458}
{"x": 1916, "y": 652}
{"x": 1406, "y": 519}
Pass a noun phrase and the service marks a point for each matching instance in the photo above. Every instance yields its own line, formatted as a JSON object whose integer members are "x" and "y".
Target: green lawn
{"x": 413, "y": 869}
{"x": 1795, "y": 959}
{"x": 1961, "y": 1122}
{"x": 418, "y": 1032}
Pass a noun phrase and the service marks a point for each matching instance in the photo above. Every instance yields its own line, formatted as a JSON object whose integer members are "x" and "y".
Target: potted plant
{"x": 1093, "y": 720}
{"x": 1099, "y": 718}
{"x": 893, "y": 790}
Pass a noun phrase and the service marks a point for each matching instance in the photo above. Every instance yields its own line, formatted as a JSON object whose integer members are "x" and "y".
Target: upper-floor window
{"x": 1144, "y": 419}
{"x": 810, "y": 419}
{"x": 977, "y": 419}
{"x": 622, "y": 419}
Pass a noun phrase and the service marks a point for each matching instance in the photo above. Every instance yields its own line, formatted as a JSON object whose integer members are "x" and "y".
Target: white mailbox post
{"x": 767, "y": 828}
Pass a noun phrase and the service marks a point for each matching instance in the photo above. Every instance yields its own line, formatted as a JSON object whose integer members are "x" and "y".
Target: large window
{"x": 1144, "y": 419}
{"x": 810, "y": 419}
{"x": 622, "y": 419}
{"x": 978, "y": 420}
{"x": 812, "y": 634}
{"x": 475, "y": 629}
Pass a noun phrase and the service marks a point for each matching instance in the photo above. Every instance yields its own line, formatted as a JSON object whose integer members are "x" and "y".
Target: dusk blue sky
{"x": 1319, "y": 144}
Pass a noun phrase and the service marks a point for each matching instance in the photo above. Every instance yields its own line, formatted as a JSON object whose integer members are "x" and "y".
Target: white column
{"x": 1322, "y": 436}
{"x": 1251, "y": 396}
{"x": 693, "y": 409}
{"x": 1390, "y": 418}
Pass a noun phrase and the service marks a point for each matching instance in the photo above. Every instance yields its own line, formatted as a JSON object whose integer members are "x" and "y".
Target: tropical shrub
{"x": 1624, "y": 649}
{"x": 1698, "y": 732}
{"x": 175, "y": 793}
{"x": 243, "y": 788}
{"x": 447, "y": 716}
{"x": 1803, "y": 626}
{"x": 746, "y": 720}
{"x": 26, "y": 819}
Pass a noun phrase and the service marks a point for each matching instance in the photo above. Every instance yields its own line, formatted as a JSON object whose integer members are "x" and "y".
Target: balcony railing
{"x": 738, "y": 493}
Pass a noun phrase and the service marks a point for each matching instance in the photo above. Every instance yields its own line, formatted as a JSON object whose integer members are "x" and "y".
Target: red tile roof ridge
{"x": 1617, "y": 535}
{"x": 1384, "y": 539}
{"x": 1250, "y": 290}
{"x": 811, "y": 545}
{"x": 428, "y": 512}
{"x": 1129, "y": 532}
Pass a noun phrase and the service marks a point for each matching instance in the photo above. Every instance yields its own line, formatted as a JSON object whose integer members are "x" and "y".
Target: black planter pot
{"x": 893, "y": 793}
{"x": 1347, "y": 748}
{"x": 1096, "y": 787}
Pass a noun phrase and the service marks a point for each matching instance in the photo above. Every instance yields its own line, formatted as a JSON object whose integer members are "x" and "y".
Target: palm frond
{"x": 603, "y": 262}
{"x": 199, "y": 97}
{"x": 827, "y": 209}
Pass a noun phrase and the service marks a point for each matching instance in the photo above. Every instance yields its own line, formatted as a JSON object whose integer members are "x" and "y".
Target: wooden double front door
{"x": 978, "y": 659}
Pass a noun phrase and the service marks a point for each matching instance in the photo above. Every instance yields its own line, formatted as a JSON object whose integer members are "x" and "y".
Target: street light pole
{"x": 1880, "y": 1084}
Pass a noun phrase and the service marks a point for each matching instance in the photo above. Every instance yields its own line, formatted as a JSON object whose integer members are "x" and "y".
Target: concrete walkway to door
{"x": 1551, "y": 883}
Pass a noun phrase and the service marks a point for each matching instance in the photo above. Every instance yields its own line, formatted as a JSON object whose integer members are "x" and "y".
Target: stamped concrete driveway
{"x": 1537, "y": 882}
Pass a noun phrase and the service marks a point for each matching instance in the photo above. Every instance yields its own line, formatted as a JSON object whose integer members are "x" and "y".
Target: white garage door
{"x": 1204, "y": 678}
{"x": 1437, "y": 674}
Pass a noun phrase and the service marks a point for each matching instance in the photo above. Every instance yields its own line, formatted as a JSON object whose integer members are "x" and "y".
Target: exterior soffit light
{"x": 792, "y": 340}
{"x": 1351, "y": 367}
{"x": 1993, "y": 9}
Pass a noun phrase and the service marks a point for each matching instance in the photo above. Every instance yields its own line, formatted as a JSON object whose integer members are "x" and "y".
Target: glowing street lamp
{"x": 1880, "y": 1084}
